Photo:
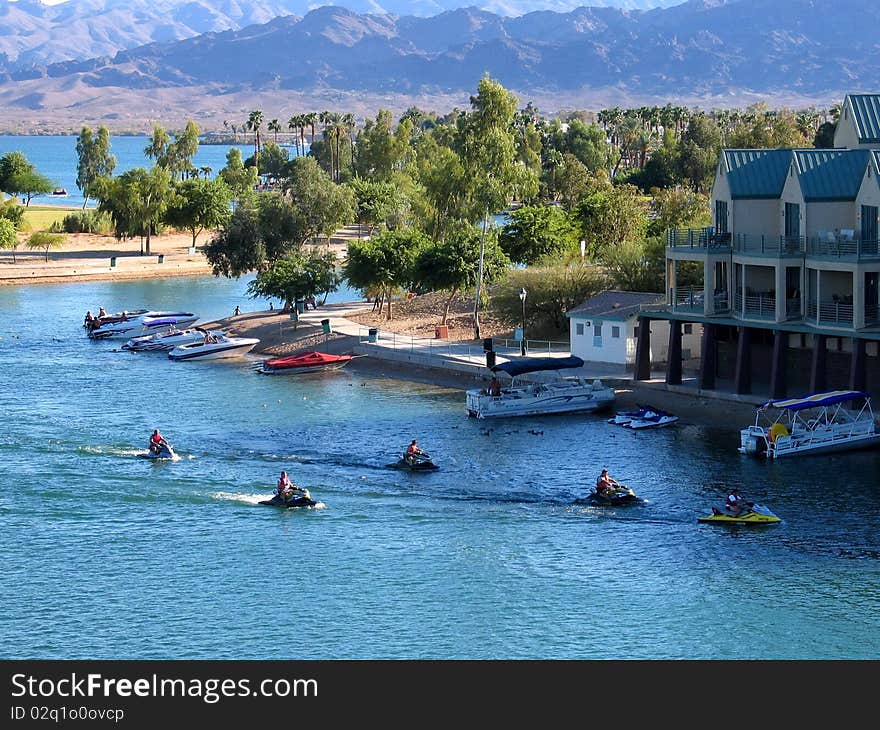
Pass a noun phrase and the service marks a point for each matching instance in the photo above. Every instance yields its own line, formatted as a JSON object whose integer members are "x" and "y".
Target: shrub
{"x": 84, "y": 221}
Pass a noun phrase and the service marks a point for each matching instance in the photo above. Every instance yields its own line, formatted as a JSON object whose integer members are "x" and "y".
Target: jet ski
{"x": 756, "y": 514}
{"x": 165, "y": 452}
{"x": 419, "y": 462}
{"x": 617, "y": 496}
{"x": 300, "y": 498}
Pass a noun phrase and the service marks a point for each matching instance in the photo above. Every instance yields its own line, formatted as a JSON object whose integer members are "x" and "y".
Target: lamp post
{"x": 522, "y": 298}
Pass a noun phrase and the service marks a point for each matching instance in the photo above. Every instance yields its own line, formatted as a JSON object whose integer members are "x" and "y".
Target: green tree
{"x": 273, "y": 160}
{"x": 678, "y": 208}
{"x": 385, "y": 262}
{"x": 375, "y": 200}
{"x": 12, "y": 211}
{"x": 299, "y": 275}
{"x": 610, "y": 215}
{"x": 537, "y": 232}
{"x": 8, "y": 237}
{"x": 487, "y": 149}
{"x": 450, "y": 265}
{"x": 637, "y": 265}
{"x": 136, "y": 200}
{"x": 19, "y": 177}
{"x": 321, "y": 206}
{"x": 380, "y": 149}
{"x": 824, "y": 138}
{"x": 93, "y": 159}
{"x": 198, "y": 205}
{"x": 698, "y": 152}
{"x": 45, "y": 241}
{"x": 240, "y": 179}
{"x": 237, "y": 248}
{"x": 157, "y": 147}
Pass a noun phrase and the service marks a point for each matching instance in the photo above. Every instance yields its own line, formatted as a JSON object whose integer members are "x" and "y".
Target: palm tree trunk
{"x": 389, "y": 304}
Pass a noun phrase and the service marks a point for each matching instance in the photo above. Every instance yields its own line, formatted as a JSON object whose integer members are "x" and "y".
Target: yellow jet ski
{"x": 756, "y": 514}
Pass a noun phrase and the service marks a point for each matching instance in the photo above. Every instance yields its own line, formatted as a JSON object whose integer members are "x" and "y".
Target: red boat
{"x": 305, "y": 362}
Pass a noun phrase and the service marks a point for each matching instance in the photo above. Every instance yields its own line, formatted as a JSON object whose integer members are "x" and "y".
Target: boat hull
{"x": 308, "y": 362}
{"x": 754, "y": 444}
{"x": 757, "y": 516}
{"x": 541, "y": 399}
{"x": 214, "y": 351}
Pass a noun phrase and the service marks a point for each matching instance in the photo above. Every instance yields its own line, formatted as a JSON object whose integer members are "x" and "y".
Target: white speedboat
{"x": 563, "y": 395}
{"x": 168, "y": 340}
{"x": 836, "y": 420}
{"x": 145, "y": 323}
{"x": 214, "y": 347}
{"x": 651, "y": 419}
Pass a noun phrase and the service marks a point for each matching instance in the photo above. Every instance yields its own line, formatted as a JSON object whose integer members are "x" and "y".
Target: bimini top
{"x": 534, "y": 364}
{"x": 817, "y": 400}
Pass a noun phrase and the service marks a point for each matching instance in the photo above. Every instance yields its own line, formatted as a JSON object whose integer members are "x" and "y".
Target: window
{"x": 720, "y": 216}
{"x": 636, "y": 332}
{"x": 615, "y": 333}
{"x": 597, "y": 330}
{"x": 579, "y": 328}
{"x": 688, "y": 329}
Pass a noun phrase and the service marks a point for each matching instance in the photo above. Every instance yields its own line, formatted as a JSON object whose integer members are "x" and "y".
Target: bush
{"x": 12, "y": 211}
{"x": 84, "y": 221}
{"x": 551, "y": 291}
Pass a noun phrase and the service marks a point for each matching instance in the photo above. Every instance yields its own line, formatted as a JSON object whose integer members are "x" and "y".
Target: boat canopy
{"x": 817, "y": 400}
{"x": 535, "y": 364}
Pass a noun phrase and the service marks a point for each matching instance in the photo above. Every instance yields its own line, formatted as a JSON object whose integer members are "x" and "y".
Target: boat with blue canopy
{"x": 836, "y": 420}
{"x": 543, "y": 396}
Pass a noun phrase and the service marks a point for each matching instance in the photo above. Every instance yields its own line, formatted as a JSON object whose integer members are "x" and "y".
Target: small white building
{"x": 604, "y": 329}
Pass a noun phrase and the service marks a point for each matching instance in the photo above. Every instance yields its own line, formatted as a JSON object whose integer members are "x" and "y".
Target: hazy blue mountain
{"x": 32, "y": 32}
{"x": 702, "y": 46}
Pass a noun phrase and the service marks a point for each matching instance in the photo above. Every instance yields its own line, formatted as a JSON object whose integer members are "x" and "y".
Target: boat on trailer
{"x": 836, "y": 420}
{"x": 563, "y": 395}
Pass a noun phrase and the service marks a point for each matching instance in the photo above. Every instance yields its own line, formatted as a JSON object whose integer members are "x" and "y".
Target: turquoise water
{"x": 106, "y": 555}
{"x": 54, "y": 156}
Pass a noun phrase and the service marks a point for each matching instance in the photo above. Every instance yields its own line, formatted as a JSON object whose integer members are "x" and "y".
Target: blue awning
{"x": 536, "y": 364}
{"x": 817, "y": 400}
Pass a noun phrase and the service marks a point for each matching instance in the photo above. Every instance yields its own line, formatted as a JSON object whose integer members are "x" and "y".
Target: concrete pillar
{"x": 817, "y": 371}
{"x": 743, "y": 376}
{"x": 708, "y": 286}
{"x": 779, "y": 286}
{"x": 857, "y": 379}
{"x": 777, "y": 373}
{"x": 858, "y": 299}
{"x": 707, "y": 358}
{"x": 643, "y": 350}
{"x": 671, "y": 284}
{"x": 673, "y": 364}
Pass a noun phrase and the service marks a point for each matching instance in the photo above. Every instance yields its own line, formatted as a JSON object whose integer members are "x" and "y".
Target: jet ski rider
{"x": 156, "y": 441}
{"x": 605, "y": 484}
{"x": 412, "y": 451}
{"x": 287, "y": 489}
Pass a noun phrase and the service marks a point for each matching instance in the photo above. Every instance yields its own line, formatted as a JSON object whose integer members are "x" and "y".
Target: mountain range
{"x": 33, "y": 32}
{"x": 706, "y": 52}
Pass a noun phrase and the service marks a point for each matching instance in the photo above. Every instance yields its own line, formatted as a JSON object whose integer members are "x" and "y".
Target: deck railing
{"x": 830, "y": 312}
{"x": 753, "y": 243}
{"x": 756, "y": 306}
{"x": 833, "y": 247}
{"x": 698, "y": 238}
{"x": 872, "y": 314}
{"x": 466, "y": 350}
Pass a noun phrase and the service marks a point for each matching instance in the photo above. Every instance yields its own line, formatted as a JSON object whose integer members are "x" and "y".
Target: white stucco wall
{"x": 755, "y": 217}
{"x": 620, "y": 350}
{"x": 845, "y": 134}
{"x": 830, "y": 216}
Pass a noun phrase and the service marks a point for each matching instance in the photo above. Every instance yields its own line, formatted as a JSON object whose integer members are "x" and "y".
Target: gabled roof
{"x": 830, "y": 174}
{"x": 615, "y": 304}
{"x": 866, "y": 116}
{"x": 756, "y": 173}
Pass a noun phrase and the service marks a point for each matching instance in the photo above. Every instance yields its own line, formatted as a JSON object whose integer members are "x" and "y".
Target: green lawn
{"x": 39, "y": 218}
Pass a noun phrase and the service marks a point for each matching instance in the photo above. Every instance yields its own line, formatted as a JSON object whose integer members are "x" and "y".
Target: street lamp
{"x": 522, "y": 298}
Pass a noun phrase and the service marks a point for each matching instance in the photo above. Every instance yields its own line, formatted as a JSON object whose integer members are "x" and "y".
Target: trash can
{"x": 300, "y": 305}
{"x": 294, "y": 315}
{"x": 373, "y": 334}
{"x": 192, "y": 250}
{"x": 441, "y": 332}
{"x": 112, "y": 262}
{"x": 487, "y": 345}
{"x": 490, "y": 358}
{"x": 161, "y": 258}
{"x": 325, "y": 325}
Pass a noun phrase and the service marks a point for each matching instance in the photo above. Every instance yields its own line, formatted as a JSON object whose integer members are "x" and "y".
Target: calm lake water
{"x": 106, "y": 555}
{"x": 54, "y": 156}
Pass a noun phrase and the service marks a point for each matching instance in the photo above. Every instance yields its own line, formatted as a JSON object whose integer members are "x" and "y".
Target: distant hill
{"x": 712, "y": 52}
{"x": 32, "y": 32}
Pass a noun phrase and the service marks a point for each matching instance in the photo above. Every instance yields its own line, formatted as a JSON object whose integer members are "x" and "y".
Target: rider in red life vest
{"x": 156, "y": 441}
{"x": 412, "y": 450}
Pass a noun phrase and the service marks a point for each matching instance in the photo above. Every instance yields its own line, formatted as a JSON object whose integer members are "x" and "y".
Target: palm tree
{"x": 206, "y": 171}
{"x": 234, "y": 133}
{"x": 293, "y": 125}
{"x": 254, "y": 122}
{"x": 349, "y": 124}
{"x": 311, "y": 118}
{"x": 274, "y": 126}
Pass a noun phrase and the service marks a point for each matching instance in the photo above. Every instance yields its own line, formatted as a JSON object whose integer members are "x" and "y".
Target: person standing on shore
{"x": 236, "y": 311}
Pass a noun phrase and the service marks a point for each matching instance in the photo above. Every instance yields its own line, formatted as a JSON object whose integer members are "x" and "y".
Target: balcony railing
{"x": 830, "y": 312}
{"x": 872, "y": 315}
{"x": 835, "y": 246}
{"x": 691, "y": 299}
{"x": 753, "y": 243}
{"x": 757, "y": 306}
{"x": 698, "y": 238}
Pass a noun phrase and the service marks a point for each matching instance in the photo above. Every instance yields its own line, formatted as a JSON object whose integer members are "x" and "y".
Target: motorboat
{"x": 837, "y": 420}
{"x": 621, "y": 494}
{"x": 563, "y": 395}
{"x": 214, "y": 347}
{"x": 168, "y": 340}
{"x": 756, "y": 514}
{"x": 305, "y": 362}
{"x": 643, "y": 417}
{"x": 652, "y": 419}
{"x": 165, "y": 451}
{"x": 138, "y": 325}
{"x": 417, "y": 462}
{"x": 96, "y": 322}
{"x": 301, "y": 497}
